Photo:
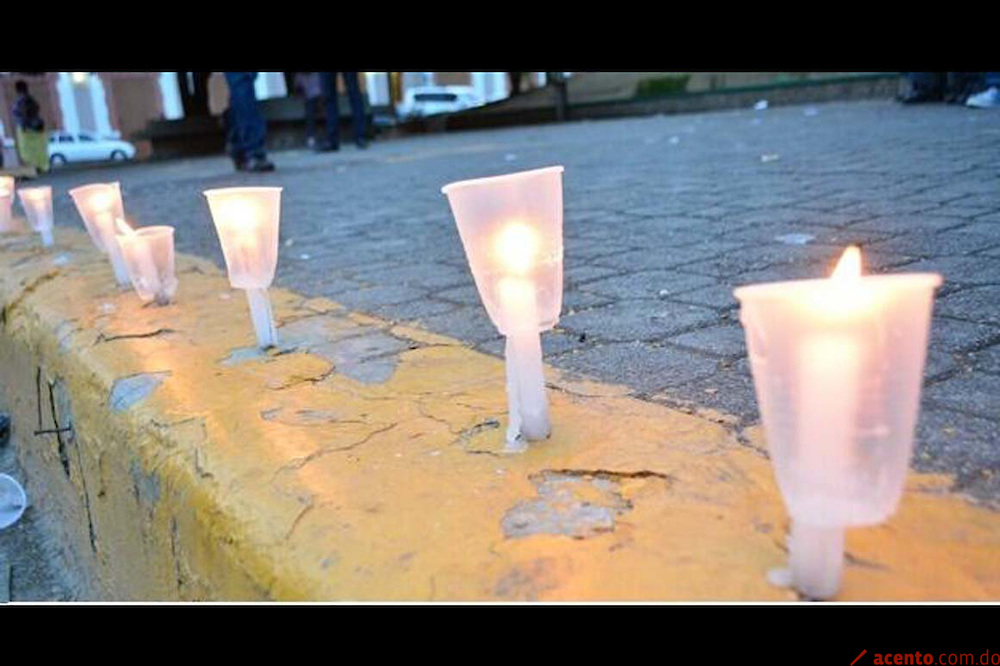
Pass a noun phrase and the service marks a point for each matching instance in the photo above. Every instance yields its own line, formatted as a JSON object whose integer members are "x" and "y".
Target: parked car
{"x": 86, "y": 147}
{"x": 422, "y": 101}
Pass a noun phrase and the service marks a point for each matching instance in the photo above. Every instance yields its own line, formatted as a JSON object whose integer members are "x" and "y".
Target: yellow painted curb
{"x": 364, "y": 461}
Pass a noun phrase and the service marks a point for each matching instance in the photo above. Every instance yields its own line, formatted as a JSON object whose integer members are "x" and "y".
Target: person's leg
{"x": 923, "y": 87}
{"x": 311, "y": 120}
{"x": 357, "y": 107}
{"x": 332, "y": 100}
{"x": 249, "y": 130}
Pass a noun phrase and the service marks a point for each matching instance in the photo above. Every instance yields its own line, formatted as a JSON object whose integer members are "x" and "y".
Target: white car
{"x": 86, "y": 147}
{"x": 422, "y": 101}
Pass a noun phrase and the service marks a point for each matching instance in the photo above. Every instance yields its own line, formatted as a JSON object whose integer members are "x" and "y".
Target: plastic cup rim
{"x": 35, "y": 188}
{"x": 784, "y": 289}
{"x": 89, "y": 186}
{"x": 154, "y": 230}
{"x": 461, "y": 184}
{"x": 250, "y": 189}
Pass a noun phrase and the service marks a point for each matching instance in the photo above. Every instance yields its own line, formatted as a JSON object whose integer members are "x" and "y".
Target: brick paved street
{"x": 664, "y": 216}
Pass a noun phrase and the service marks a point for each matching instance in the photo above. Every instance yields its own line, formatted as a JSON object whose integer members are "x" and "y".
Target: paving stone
{"x": 729, "y": 391}
{"x": 955, "y": 335}
{"x": 413, "y": 311}
{"x": 957, "y": 242}
{"x": 727, "y": 341}
{"x": 963, "y": 270}
{"x": 973, "y": 393}
{"x": 643, "y": 367}
{"x": 978, "y": 304}
{"x": 381, "y": 295}
{"x": 470, "y": 324}
{"x": 966, "y": 446}
{"x": 902, "y": 223}
{"x": 637, "y": 320}
{"x": 719, "y": 296}
{"x": 987, "y": 360}
{"x": 647, "y": 284}
{"x": 664, "y": 258}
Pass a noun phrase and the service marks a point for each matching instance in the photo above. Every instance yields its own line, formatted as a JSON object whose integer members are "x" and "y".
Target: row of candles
{"x": 837, "y": 363}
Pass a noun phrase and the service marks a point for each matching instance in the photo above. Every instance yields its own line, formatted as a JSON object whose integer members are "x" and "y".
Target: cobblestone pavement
{"x": 664, "y": 216}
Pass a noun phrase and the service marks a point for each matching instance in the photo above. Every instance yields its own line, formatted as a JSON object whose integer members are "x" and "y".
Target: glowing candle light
{"x": 247, "y": 220}
{"x": 148, "y": 253}
{"x": 37, "y": 204}
{"x": 99, "y": 205}
{"x": 511, "y": 228}
{"x": 837, "y": 366}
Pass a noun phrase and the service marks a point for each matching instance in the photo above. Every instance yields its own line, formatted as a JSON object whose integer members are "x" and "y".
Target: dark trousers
{"x": 312, "y": 105}
{"x": 246, "y": 128}
{"x": 329, "y": 82}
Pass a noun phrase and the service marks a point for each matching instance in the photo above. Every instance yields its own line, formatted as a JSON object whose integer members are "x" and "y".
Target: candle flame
{"x": 849, "y": 266}
{"x": 517, "y": 246}
{"x": 101, "y": 201}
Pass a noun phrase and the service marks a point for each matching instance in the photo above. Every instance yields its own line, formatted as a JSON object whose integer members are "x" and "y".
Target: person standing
{"x": 307, "y": 84}
{"x": 329, "y": 81}
{"x": 247, "y": 130}
{"x": 32, "y": 140}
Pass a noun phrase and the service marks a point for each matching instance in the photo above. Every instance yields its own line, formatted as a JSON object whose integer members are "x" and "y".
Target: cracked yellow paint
{"x": 274, "y": 476}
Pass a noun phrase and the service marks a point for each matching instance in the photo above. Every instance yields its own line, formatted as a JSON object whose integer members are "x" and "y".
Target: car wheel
{"x": 118, "y": 156}
{"x": 57, "y": 160}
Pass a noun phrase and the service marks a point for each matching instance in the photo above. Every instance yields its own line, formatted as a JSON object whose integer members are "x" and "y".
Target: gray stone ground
{"x": 664, "y": 217}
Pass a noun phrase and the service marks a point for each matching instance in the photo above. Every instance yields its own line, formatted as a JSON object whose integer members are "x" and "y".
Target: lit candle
{"x": 837, "y": 366}
{"x": 100, "y": 204}
{"x": 247, "y": 220}
{"x": 149, "y": 258}
{"x": 37, "y": 204}
{"x": 6, "y": 206}
{"x": 528, "y": 407}
{"x": 511, "y": 229}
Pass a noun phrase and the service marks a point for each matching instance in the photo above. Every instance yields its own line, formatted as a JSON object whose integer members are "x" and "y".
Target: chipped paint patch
{"x": 570, "y": 505}
{"x": 130, "y": 391}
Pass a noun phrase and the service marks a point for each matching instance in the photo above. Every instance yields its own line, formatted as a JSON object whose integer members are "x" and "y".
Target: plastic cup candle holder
{"x": 6, "y": 209}
{"x": 100, "y": 204}
{"x": 837, "y": 365}
{"x": 148, "y": 253}
{"x": 511, "y": 229}
{"x": 247, "y": 221}
{"x": 37, "y": 204}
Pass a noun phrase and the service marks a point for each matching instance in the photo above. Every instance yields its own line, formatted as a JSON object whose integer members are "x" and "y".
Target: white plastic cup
{"x": 37, "y": 204}
{"x": 148, "y": 253}
{"x": 837, "y": 370}
{"x": 485, "y": 210}
{"x": 511, "y": 229}
{"x": 6, "y": 209}
{"x": 247, "y": 220}
{"x": 99, "y": 205}
{"x": 13, "y": 501}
